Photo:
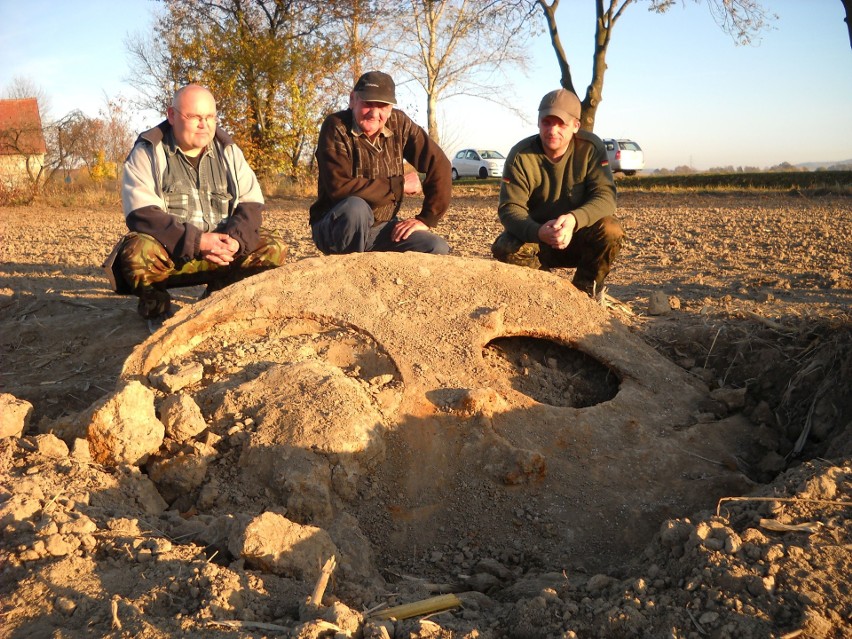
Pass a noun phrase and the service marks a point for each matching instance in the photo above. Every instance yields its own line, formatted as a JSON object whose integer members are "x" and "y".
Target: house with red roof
{"x": 22, "y": 146}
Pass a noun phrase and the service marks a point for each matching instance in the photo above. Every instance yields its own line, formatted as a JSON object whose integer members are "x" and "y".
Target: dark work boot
{"x": 590, "y": 287}
{"x": 153, "y": 302}
{"x": 512, "y": 250}
{"x": 155, "y": 305}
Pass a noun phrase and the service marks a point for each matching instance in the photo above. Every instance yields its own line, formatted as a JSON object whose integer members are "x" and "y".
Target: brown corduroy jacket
{"x": 349, "y": 165}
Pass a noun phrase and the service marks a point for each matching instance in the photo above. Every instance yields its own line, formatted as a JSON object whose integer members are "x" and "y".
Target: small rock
{"x": 50, "y": 445}
{"x": 706, "y": 375}
{"x": 732, "y": 398}
{"x": 482, "y": 582}
{"x": 14, "y": 415}
{"x": 381, "y": 380}
{"x": 733, "y": 543}
{"x": 160, "y": 546}
{"x": 763, "y": 414}
{"x": 774, "y": 553}
{"x": 171, "y": 379}
{"x": 772, "y": 462}
{"x": 80, "y": 450}
{"x": 703, "y": 530}
{"x": 59, "y": 546}
{"x": 481, "y": 400}
{"x": 177, "y": 475}
{"x": 81, "y": 525}
{"x": 686, "y": 363}
{"x": 378, "y": 630}
{"x": 181, "y": 417}
{"x": 658, "y": 304}
{"x": 819, "y": 487}
{"x": 274, "y": 543}
{"x": 88, "y": 541}
{"x": 123, "y": 428}
{"x": 713, "y": 544}
{"x": 674, "y": 532}
{"x": 599, "y": 582}
{"x": 494, "y": 567}
{"x": 345, "y": 618}
{"x": 708, "y": 618}
{"x": 65, "y": 605}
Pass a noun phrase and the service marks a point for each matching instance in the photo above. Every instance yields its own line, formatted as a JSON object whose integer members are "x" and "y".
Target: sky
{"x": 675, "y": 83}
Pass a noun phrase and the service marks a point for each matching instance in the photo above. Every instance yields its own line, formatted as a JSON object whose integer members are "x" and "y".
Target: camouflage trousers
{"x": 147, "y": 269}
{"x": 592, "y": 251}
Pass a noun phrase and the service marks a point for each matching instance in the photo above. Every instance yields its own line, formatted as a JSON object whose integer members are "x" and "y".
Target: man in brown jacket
{"x": 362, "y": 179}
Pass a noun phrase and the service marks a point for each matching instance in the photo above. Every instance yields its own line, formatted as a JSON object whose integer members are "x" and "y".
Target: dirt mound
{"x": 410, "y": 406}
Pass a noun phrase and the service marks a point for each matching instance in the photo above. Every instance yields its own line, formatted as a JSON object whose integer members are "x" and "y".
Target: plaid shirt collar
{"x": 171, "y": 147}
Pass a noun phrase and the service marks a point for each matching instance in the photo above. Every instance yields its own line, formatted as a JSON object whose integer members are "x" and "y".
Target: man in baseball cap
{"x": 362, "y": 181}
{"x": 375, "y": 86}
{"x": 561, "y": 103}
{"x": 557, "y": 199}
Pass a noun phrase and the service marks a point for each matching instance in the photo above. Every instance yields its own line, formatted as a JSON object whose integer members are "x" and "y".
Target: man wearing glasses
{"x": 193, "y": 207}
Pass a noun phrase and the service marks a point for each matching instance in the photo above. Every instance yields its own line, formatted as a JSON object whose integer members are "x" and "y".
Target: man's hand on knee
{"x": 558, "y": 233}
{"x": 218, "y": 248}
{"x": 402, "y": 230}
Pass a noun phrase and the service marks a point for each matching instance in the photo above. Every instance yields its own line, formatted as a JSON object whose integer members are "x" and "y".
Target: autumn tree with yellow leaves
{"x": 269, "y": 63}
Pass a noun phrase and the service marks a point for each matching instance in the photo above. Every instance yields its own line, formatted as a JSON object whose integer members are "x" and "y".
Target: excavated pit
{"x": 429, "y": 413}
{"x": 551, "y": 373}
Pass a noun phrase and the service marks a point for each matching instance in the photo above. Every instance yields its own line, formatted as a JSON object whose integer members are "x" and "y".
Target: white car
{"x": 624, "y": 156}
{"x": 478, "y": 163}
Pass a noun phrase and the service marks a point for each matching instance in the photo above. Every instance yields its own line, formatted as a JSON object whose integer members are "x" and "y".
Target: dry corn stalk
{"x": 322, "y": 582}
{"x": 417, "y": 608}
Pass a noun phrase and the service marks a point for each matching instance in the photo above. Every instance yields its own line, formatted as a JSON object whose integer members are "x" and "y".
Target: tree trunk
{"x": 432, "y": 117}
{"x": 564, "y": 68}
{"x": 594, "y": 92}
{"x": 603, "y": 32}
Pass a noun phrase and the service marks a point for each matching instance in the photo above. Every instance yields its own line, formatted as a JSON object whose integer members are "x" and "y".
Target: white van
{"x": 624, "y": 155}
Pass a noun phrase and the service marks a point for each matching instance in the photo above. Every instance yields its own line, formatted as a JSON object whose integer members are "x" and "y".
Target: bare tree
{"x": 68, "y": 143}
{"x": 368, "y": 38}
{"x": 847, "y": 5}
{"x": 152, "y": 75}
{"x": 742, "y": 19}
{"x": 459, "y": 47}
{"x": 117, "y": 131}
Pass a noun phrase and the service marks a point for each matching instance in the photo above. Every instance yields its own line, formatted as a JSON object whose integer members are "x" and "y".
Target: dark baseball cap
{"x": 561, "y": 103}
{"x": 375, "y": 86}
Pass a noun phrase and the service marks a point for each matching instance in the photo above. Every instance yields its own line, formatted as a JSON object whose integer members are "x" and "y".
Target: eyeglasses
{"x": 196, "y": 119}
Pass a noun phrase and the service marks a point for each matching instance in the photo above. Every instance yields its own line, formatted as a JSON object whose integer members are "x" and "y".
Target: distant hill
{"x": 813, "y": 166}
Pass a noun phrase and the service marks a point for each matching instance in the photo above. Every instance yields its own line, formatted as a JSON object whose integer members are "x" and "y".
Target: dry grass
{"x": 817, "y": 183}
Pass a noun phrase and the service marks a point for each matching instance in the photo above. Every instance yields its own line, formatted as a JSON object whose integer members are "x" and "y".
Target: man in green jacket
{"x": 557, "y": 199}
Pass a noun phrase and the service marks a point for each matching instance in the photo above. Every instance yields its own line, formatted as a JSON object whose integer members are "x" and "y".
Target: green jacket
{"x": 535, "y": 189}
